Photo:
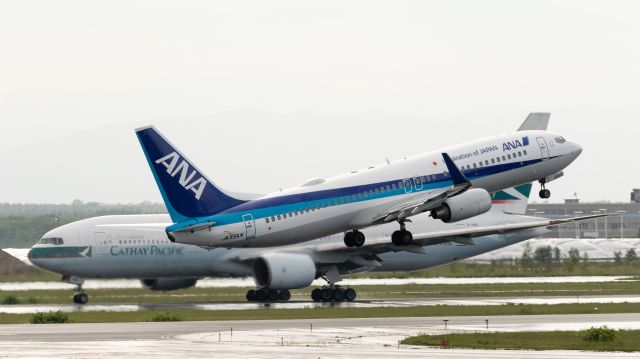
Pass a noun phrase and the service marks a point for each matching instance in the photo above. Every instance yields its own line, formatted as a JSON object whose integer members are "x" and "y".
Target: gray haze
{"x": 264, "y": 95}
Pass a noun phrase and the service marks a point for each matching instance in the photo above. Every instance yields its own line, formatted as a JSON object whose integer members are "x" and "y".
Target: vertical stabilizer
{"x": 186, "y": 191}
{"x": 512, "y": 200}
{"x": 536, "y": 121}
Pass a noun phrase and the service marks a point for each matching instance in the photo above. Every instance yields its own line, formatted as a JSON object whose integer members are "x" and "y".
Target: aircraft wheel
{"x": 545, "y": 194}
{"x": 80, "y": 298}
{"x": 327, "y": 294}
{"x": 358, "y": 239}
{"x": 338, "y": 294}
{"x": 396, "y": 238}
{"x": 350, "y": 294}
{"x": 284, "y": 295}
{"x": 273, "y": 295}
{"x": 251, "y": 295}
{"x": 316, "y": 295}
{"x": 349, "y": 239}
{"x": 262, "y": 295}
{"x": 407, "y": 238}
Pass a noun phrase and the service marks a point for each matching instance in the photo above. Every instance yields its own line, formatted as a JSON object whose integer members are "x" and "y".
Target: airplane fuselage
{"x": 323, "y": 207}
{"x": 138, "y": 247}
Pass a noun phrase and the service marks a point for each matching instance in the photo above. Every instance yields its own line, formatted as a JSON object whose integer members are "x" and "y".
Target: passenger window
{"x": 475, "y": 165}
{"x": 394, "y": 186}
{"x": 273, "y": 219}
{"x": 504, "y": 158}
{"x": 493, "y": 161}
{"x": 279, "y": 218}
{"x": 360, "y": 195}
{"x": 498, "y": 159}
{"x": 509, "y": 156}
{"x": 366, "y": 195}
{"x": 266, "y": 219}
{"x": 525, "y": 152}
{"x": 486, "y": 162}
{"x": 388, "y": 188}
{"x": 400, "y": 184}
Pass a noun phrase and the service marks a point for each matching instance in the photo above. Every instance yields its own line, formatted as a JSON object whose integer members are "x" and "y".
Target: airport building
{"x": 624, "y": 224}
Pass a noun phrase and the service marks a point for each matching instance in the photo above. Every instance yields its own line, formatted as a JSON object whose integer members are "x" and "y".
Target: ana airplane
{"x": 452, "y": 184}
{"x": 137, "y": 246}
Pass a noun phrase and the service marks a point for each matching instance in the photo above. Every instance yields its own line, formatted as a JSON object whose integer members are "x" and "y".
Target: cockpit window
{"x": 55, "y": 241}
{"x": 560, "y": 140}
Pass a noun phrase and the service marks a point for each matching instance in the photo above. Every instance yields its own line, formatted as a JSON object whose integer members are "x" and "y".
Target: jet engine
{"x": 284, "y": 271}
{"x": 168, "y": 284}
{"x": 471, "y": 203}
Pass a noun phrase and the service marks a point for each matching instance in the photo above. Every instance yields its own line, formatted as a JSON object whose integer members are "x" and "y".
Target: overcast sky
{"x": 265, "y": 94}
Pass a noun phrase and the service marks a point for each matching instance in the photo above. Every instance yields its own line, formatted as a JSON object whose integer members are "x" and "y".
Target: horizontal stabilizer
{"x": 536, "y": 121}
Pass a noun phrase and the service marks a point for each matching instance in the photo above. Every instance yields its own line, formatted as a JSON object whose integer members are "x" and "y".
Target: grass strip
{"x": 337, "y": 312}
{"x": 426, "y": 292}
{"x": 625, "y": 341}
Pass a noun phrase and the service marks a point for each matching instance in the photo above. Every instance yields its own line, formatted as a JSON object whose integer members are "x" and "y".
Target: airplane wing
{"x": 427, "y": 202}
{"x": 462, "y": 236}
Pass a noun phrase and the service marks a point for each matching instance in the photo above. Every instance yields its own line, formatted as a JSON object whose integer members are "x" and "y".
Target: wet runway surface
{"x": 22, "y": 309}
{"x": 249, "y": 282}
{"x": 332, "y": 338}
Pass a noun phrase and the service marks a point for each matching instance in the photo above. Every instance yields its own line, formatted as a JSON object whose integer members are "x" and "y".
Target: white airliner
{"x": 137, "y": 246}
{"x": 452, "y": 184}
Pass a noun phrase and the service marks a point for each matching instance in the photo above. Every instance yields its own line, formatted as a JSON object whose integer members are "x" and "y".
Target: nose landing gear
{"x": 80, "y": 297}
{"x": 544, "y": 192}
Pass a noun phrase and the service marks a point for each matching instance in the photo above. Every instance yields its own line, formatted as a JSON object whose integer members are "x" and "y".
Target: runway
{"x": 332, "y": 338}
{"x": 493, "y": 301}
{"x": 250, "y": 283}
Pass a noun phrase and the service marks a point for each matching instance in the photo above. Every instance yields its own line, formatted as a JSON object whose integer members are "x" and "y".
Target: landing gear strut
{"x": 268, "y": 295}
{"x": 544, "y": 192}
{"x": 402, "y": 237}
{"x": 354, "y": 238}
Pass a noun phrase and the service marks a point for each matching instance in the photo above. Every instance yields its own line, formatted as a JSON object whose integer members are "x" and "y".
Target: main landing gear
{"x": 268, "y": 295}
{"x": 402, "y": 237}
{"x": 333, "y": 294}
{"x": 354, "y": 238}
{"x": 544, "y": 192}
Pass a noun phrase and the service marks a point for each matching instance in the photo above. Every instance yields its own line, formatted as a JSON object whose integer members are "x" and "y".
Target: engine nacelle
{"x": 284, "y": 271}
{"x": 168, "y": 284}
{"x": 471, "y": 203}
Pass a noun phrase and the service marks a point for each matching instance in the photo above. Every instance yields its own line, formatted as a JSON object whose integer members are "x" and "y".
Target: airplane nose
{"x": 577, "y": 149}
{"x": 32, "y": 258}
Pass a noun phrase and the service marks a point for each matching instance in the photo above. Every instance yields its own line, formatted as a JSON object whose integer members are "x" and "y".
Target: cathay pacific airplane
{"x": 452, "y": 184}
{"x": 137, "y": 246}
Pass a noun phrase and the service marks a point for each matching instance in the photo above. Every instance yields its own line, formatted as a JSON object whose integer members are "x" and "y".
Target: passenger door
{"x": 544, "y": 148}
{"x": 249, "y": 226}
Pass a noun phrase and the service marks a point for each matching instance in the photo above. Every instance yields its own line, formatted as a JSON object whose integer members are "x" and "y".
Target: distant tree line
{"x": 547, "y": 255}
{"x": 22, "y": 225}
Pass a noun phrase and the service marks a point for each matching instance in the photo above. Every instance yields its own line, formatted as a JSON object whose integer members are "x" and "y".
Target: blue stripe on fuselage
{"x": 268, "y": 207}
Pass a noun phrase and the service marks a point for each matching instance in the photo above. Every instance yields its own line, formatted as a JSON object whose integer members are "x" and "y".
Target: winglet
{"x": 536, "y": 121}
{"x": 456, "y": 175}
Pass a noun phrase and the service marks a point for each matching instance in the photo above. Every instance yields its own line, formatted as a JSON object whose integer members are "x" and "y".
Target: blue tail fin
{"x": 186, "y": 191}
